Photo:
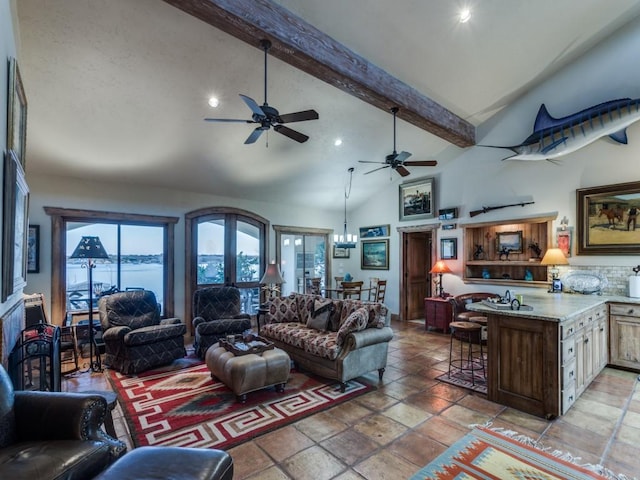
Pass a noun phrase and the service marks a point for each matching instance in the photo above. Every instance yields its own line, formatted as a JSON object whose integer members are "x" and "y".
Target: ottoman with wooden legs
{"x": 247, "y": 373}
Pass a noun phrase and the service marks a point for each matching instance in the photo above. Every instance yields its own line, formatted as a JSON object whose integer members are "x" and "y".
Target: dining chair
{"x": 381, "y": 289}
{"x": 352, "y": 290}
{"x": 373, "y": 289}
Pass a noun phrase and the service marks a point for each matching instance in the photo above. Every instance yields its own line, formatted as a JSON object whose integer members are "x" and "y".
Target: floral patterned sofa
{"x": 337, "y": 339}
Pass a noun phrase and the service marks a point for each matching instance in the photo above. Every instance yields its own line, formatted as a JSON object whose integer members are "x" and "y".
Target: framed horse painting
{"x": 607, "y": 219}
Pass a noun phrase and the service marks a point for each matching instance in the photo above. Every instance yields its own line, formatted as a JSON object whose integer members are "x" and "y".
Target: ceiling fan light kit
{"x": 267, "y": 116}
{"x": 397, "y": 161}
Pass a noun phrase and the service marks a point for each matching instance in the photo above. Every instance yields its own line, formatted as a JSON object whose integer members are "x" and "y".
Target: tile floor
{"x": 411, "y": 418}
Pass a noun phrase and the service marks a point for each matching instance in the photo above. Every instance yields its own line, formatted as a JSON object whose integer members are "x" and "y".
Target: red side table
{"x": 437, "y": 313}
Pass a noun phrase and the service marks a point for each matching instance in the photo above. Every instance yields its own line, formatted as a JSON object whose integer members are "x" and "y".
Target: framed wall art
{"x": 14, "y": 235}
{"x": 448, "y": 248}
{"x": 417, "y": 199}
{"x": 607, "y": 220}
{"x": 17, "y": 114}
{"x": 33, "y": 249}
{"x": 564, "y": 236}
{"x": 375, "y": 255}
{"x": 511, "y": 241}
{"x": 340, "y": 252}
{"x": 375, "y": 231}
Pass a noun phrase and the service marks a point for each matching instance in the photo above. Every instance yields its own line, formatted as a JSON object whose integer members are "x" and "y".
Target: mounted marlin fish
{"x": 554, "y": 137}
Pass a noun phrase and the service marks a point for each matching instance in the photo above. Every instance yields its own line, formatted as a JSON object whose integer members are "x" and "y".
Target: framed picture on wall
{"x": 448, "y": 248}
{"x": 511, "y": 241}
{"x": 375, "y": 255}
{"x": 33, "y": 249}
{"x": 17, "y": 114}
{"x": 564, "y": 236}
{"x": 340, "y": 252}
{"x": 417, "y": 199}
{"x": 607, "y": 220}
{"x": 14, "y": 235}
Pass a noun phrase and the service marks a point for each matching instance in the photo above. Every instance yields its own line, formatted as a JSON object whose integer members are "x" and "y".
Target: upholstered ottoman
{"x": 171, "y": 463}
{"x": 251, "y": 372}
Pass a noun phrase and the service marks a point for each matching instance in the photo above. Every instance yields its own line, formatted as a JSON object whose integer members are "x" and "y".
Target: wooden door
{"x": 416, "y": 265}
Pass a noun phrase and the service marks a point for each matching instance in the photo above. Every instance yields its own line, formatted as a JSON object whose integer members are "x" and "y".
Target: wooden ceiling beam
{"x": 303, "y": 46}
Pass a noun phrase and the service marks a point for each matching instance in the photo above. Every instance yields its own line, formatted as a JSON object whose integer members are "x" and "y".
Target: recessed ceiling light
{"x": 338, "y": 142}
{"x": 465, "y": 15}
{"x": 213, "y": 102}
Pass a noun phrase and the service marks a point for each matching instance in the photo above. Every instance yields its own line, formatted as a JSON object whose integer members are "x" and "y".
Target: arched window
{"x": 225, "y": 246}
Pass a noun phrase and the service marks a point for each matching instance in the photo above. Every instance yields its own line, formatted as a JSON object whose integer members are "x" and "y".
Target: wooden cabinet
{"x": 624, "y": 332}
{"x": 437, "y": 313}
{"x": 490, "y": 267}
{"x": 540, "y": 366}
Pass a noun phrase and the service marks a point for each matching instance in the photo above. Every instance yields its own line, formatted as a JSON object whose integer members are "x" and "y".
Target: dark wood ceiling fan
{"x": 267, "y": 116}
{"x": 397, "y": 161}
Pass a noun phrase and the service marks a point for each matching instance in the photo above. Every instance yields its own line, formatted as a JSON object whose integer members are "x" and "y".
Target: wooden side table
{"x": 437, "y": 313}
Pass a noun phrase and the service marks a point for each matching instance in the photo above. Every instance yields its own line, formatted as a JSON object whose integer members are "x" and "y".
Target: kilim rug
{"x": 487, "y": 454}
{"x": 463, "y": 379}
{"x": 187, "y": 408}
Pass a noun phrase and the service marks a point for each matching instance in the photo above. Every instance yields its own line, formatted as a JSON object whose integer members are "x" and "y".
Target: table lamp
{"x": 90, "y": 248}
{"x": 440, "y": 267}
{"x": 554, "y": 257}
{"x": 272, "y": 279}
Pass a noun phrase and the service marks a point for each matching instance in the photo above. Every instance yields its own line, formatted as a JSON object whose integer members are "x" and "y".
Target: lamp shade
{"x": 440, "y": 267}
{"x": 272, "y": 275}
{"x": 554, "y": 256}
{"x": 89, "y": 247}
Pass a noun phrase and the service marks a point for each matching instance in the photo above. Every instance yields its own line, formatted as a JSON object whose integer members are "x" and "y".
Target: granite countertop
{"x": 556, "y": 307}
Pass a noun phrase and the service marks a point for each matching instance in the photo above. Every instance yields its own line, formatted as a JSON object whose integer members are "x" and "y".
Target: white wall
{"x": 468, "y": 179}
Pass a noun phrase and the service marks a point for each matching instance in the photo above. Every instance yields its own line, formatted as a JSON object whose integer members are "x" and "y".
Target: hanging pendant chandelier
{"x": 346, "y": 240}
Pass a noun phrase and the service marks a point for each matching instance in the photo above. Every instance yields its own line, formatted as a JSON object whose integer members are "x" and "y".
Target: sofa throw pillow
{"x": 354, "y": 323}
{"x": 320, "y": 314}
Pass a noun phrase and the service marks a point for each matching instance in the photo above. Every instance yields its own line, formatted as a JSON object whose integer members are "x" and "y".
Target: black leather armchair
{"x": 216, "y": 313}
{"x": 135, "y": 337}
{"x": 53, "y": 435}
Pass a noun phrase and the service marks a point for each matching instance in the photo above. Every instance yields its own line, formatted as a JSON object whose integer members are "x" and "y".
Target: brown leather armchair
{"x": 53, "y": 435}
{"x": 459, "y": 305}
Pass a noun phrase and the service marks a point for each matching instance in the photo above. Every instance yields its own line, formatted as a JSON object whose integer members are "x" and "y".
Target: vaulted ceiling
{"x": 118, "y": 90}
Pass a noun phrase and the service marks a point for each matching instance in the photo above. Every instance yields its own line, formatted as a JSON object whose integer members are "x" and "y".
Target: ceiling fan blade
{"x": 251, "y": 103}
{"x": 254, "y": 135}
{"x": 421, "y": 163}
{"x": 298, "y": 116}
{"x": 231, "y": 120}
{"x": 401, "y": 170}
{"x": 376, "y": 169}
{"x": 402, "y": 156}
{"x": 370, "y": 161}
{"x": 292, "y": 134}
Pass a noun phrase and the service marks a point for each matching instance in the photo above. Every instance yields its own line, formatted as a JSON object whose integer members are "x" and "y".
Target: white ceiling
{"x": 117, "y": 89}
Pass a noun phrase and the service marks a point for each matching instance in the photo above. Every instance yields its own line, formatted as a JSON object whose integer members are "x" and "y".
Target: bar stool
{"x": 467, "y": 333}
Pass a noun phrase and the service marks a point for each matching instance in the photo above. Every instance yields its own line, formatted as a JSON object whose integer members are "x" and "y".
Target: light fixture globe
{"x": 346, "y": 240}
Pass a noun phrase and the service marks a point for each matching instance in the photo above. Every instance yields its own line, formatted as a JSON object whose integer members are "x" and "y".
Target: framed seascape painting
{"x": 375, "y": 231}
{"x": 417, "y": 199}
{"x": 375, "y": 255}
{"x": 607, "y": 219}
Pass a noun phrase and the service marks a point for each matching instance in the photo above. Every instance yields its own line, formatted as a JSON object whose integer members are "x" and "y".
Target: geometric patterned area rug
{"x": 188, "y": 408}
{"x": 463, "y": 379}
{"x": 490, "y": 454}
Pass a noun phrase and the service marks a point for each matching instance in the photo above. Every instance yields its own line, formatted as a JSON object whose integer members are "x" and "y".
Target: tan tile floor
{"x": 411, "y": 418}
